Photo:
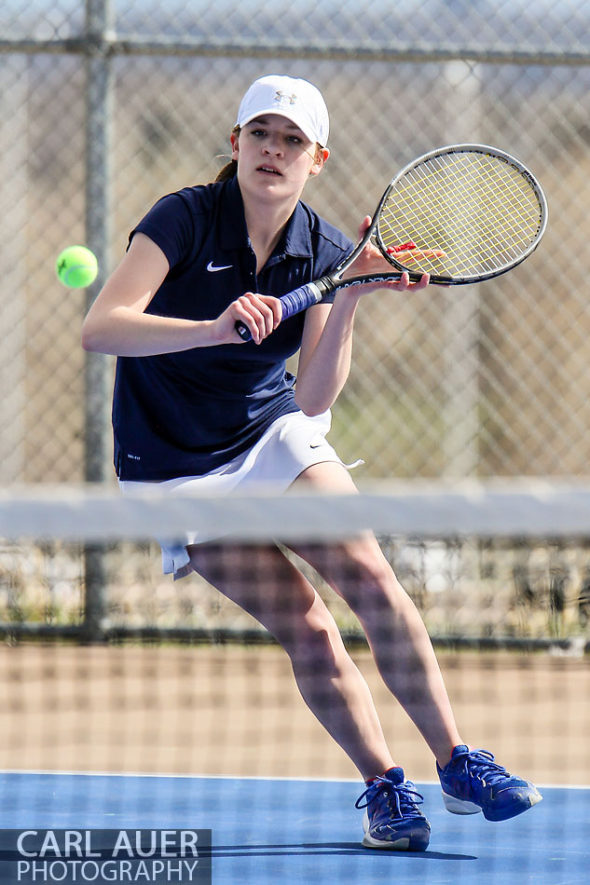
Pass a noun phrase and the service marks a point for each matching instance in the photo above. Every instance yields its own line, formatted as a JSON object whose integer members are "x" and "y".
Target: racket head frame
{"x": 374, "y": 232}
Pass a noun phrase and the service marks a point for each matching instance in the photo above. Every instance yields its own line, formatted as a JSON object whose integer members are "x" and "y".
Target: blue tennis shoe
{"x": 392, "y": 819}
{"x": 472, "y": 781}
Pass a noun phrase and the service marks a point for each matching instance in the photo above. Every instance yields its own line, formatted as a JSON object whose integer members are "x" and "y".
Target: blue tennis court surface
{"x": 287, "y": 831}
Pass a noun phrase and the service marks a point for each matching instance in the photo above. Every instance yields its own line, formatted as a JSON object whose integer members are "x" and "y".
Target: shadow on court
{"x": 331, "y": 848}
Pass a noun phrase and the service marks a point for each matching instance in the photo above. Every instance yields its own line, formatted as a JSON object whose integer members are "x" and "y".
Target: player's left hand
{"x": 371, "y": 260}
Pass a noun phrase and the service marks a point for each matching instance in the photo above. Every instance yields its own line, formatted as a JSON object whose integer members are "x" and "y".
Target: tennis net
{"x": 111, "y": 667}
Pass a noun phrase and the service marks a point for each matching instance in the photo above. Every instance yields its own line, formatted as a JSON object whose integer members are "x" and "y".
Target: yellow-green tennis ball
{"x": 76, "y": 267}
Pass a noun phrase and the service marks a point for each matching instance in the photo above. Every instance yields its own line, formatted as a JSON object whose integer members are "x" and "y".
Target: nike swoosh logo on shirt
{"x": 212, "y": 268}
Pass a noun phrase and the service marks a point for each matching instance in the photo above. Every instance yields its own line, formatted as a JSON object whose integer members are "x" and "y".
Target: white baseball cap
{"x": 290, "y": 97}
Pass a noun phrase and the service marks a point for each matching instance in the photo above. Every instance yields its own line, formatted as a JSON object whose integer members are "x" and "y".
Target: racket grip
{"x": 293, "y": 302}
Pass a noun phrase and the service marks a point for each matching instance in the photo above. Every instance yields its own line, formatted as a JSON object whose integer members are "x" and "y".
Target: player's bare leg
{"x": 359, "y": 572}
{"x": 263, "y": 582}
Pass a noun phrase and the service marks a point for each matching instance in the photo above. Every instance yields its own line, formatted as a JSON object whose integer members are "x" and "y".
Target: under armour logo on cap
{"x": 282, "y": 100}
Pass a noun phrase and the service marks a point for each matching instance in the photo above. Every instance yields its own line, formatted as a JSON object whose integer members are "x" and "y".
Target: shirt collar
{"x": 296, "y": 240}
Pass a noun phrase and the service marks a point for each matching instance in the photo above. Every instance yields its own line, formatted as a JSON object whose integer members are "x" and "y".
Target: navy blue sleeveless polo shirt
{"x": 184, "y": 414}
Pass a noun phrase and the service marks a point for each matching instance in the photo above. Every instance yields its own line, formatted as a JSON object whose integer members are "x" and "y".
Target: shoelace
{"x": 404, "y": 797}
{"x": 482, "y": 764}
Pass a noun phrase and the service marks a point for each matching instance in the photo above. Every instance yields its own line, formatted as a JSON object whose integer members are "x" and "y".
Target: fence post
{"x": 14, "y": 173}
{"x": 97, "y": 366}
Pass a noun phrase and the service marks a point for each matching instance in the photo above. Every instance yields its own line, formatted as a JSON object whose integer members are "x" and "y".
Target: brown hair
{"x": 230, "y": 169}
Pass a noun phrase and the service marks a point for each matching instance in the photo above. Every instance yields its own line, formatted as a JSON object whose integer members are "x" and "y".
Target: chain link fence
{"x": 109, "y": 104}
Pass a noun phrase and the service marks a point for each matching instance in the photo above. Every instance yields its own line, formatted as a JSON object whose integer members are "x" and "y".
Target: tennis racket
{"x": 462, "y": 213}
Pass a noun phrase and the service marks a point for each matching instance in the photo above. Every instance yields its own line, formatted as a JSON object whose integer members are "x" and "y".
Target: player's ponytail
{"x": 230, "y": 169}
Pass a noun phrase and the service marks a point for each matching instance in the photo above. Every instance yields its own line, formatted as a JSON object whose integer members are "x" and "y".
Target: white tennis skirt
{"x": 291, "y": 444}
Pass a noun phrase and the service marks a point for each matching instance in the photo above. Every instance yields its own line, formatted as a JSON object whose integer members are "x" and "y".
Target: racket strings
{"x": 473, "y": 226}
{"x": 477, "y": 209}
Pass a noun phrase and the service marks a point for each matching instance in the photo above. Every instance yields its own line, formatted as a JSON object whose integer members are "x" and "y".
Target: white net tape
{"x": 501, "y": 508}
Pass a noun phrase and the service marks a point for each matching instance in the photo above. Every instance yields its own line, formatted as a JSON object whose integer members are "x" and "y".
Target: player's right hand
{"x": 260, "y": 313}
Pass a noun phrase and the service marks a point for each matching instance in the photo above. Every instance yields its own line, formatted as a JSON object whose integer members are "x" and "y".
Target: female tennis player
{"x": 198, "y": 409}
